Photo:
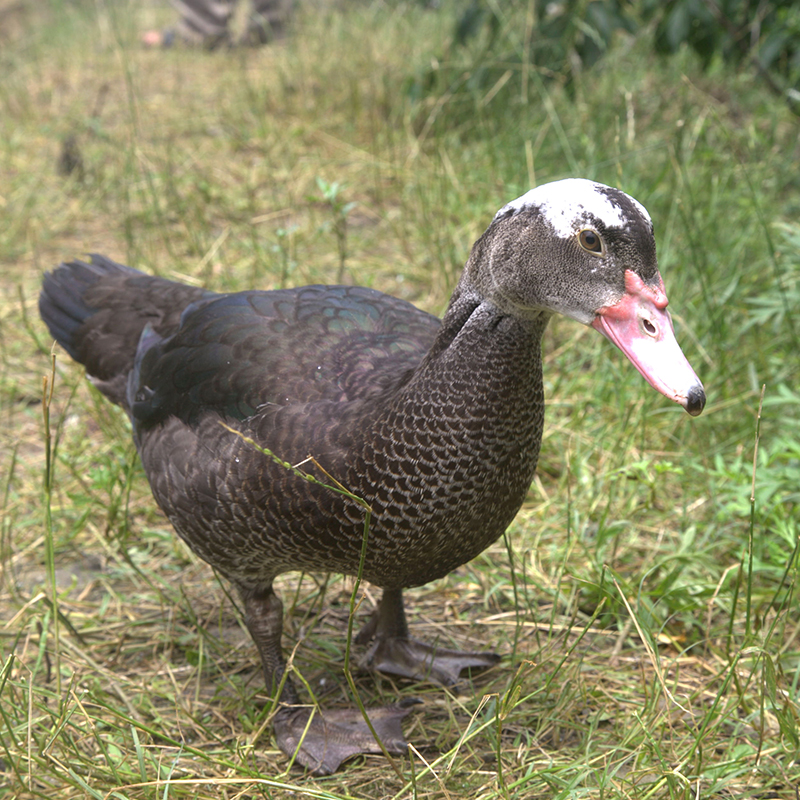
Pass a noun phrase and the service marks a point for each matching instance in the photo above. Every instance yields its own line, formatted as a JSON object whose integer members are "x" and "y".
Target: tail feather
{"x": 62, "y": 303}
{"x": 97, "y": 311}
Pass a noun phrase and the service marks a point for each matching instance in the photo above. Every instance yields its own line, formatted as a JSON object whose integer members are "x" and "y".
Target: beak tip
{"x": 695, "y": 400}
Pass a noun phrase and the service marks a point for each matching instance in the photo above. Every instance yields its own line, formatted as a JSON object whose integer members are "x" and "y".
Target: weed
{"x": 331, "y": 195}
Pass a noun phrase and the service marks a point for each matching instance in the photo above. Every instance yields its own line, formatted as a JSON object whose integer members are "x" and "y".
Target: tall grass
{"x": 645, "y": 596}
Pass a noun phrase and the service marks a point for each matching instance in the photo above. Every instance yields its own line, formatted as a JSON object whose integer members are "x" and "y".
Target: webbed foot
{"x": 335, "y": 735}
{"x": 393, "y": 651}
{"x": 410, "y": 658}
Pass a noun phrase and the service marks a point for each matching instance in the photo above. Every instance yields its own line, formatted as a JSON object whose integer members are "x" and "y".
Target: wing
{"x": 242, "y": 353}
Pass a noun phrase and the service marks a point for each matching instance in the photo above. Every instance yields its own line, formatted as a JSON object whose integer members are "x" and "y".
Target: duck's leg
{"x": 393, "y": 651}
{"x": 320, "y": 741}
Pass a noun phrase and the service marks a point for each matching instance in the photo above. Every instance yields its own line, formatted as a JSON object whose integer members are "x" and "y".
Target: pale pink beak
{"x": 640, "y": 326}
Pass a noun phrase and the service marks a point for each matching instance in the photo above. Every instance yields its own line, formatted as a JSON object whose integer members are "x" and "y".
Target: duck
{"x": 434, "y": 424}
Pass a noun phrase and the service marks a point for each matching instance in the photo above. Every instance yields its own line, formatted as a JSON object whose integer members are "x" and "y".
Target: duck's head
{"x": 587, "y": 251}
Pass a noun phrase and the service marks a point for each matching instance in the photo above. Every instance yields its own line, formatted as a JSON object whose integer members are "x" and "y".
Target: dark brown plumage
{"x": 436, "y": 425}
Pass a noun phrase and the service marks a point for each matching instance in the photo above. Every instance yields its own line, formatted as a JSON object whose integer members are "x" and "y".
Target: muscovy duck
{"x": 435, "y": 423}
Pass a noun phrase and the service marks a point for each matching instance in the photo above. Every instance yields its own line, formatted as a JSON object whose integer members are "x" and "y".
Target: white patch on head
{"x": 565, "y": 204}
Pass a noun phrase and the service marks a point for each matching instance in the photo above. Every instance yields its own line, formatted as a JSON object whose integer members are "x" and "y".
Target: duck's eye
{"x": 590, "y": 240}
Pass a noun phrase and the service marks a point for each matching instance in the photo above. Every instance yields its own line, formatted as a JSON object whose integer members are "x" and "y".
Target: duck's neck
{"x": 459, "y": 443}
{"x": 486, "y": 359}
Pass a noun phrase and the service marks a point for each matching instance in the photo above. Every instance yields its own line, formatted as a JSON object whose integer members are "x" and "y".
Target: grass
{"x": 645, "y": 598}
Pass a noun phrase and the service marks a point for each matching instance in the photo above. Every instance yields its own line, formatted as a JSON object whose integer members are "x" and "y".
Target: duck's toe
{"x": 409, "y": 658}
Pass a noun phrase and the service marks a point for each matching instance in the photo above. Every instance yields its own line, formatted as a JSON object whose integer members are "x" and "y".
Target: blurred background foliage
{"x": 563, "y": 38}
